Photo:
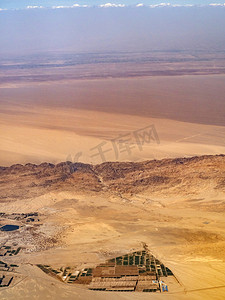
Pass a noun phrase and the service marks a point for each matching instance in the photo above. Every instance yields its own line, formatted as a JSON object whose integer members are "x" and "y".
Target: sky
{"x": 99, "y": 30}
{"x": 23, "y": 4}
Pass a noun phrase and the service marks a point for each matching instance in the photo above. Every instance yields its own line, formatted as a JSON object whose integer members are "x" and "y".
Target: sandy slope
{"x": 97, "y": 228}
{"x": 55, "y": 121}
{"x": 39, "y": 134}
{"x": 110, "y": 210}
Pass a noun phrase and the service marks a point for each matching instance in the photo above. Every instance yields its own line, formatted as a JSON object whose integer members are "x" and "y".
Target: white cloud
{"x": 78, "y": 5}
{"x": 60, "y": 6}
{"x": 216, "y": 4}
{"x": 112, "y": 5}
{"x": 170, "y": 5}
{"x": 160, "y": 5}
{"x": 72, "y": 6}
{"x": 34, "y": 7}
{"x": 109, "y": 4}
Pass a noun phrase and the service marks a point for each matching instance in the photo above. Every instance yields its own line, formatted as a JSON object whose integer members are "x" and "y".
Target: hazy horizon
{"x": 124, "y": 29}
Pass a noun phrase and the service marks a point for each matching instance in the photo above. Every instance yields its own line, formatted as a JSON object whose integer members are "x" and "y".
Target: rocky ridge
{"x": 181, "y": 175}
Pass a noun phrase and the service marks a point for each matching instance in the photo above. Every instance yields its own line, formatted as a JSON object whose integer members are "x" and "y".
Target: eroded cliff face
{"x": 183, "y": 176}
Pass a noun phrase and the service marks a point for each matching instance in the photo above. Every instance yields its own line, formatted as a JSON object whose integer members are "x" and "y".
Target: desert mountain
{"x": 167, "y": 177}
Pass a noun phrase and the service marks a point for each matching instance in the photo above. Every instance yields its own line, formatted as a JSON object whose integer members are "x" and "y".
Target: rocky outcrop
{"x": 178, "y": 175}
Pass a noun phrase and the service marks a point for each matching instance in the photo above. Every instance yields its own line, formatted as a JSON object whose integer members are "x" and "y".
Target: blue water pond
{"x": 9, "y": 227}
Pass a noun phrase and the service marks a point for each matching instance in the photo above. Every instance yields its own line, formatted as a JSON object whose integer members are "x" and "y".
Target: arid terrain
{"x": 112, "y": 150}
{"x": 89, "y": 213}
{"x": 93, "y": 168}
{"x": 53, "y": 118}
